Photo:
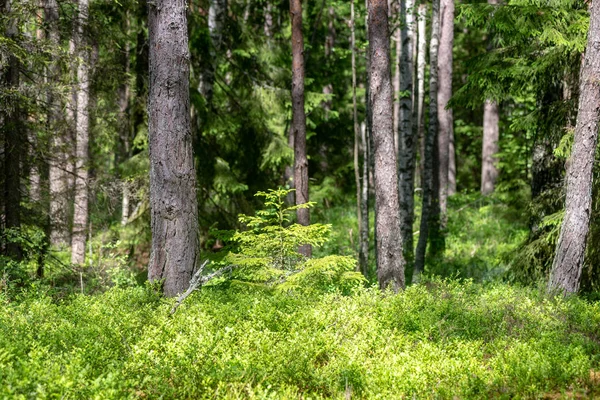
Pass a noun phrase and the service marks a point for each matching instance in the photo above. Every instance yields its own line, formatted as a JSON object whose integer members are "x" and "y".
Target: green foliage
{"x": 267, "y": 251}
{"x": 439, "y": 340}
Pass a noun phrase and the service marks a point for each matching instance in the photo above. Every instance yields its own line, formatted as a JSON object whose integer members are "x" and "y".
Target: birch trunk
{"x": 421, "y": 63}
{"x": 173, "y": 200}
{"x": 80, "y": 212}
{"x": 299, "y": 119}
{"x": 390, "y": 261}
{"x": 217, "y": 13}
{"x": 570, "y": 250}
{"x": 429, "y": 144}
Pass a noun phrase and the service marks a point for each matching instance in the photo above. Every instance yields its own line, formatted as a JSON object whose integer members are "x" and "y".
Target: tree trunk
{"x": 80, "y": 212}
{"x": 406, "y": 133}
{"x": 390, "y": 261}
{"x": 570, "y": 250}
{"x": 13, "y": 134}
{"x": 362, "y": 249}
{"x": 421, "y": 63}
{"x": 173, "y": 201}
{"x": 489, "y": 173}
{"x": 268, "y": 25}
{"x": 429, "y": 144}
{"x": 299, "y": 119}
{"x": 444, "y": 93}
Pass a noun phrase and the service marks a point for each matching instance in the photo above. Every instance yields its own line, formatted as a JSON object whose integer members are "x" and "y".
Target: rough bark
{"x": 429, "y": 145}
{"x": 444, "y": 93}
{"x": 80, "y": 211}
{"x": 406, "y": 134}
{"x": 58, "y": 164}
{"x": 299, "y": 118}
{"x": 489, "y": 172}
{"x": 570, "y": 250}
{"x": 13, "y": 133}
{"x": 390, "y": 261}
{"x": 173, "y": 201}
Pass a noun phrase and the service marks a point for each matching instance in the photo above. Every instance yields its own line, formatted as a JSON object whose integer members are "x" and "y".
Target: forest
{"x": 299, "y": 199}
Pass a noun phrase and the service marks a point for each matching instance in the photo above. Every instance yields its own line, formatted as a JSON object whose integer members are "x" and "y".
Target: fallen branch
{"x": 198, "y": 281}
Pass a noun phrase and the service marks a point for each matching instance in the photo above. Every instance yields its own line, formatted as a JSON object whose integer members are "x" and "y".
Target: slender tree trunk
{"x": 14, "y": 131}
{"x": 80, "y": 212}
{"x": 430, "y": 143}
{"x": 445, "y": 121}
{"x": 390, "y": 261}
{"x": 570, "y": 250}
{"x": 125, "y": 131}
{"x": 406, "y": 133}
{"x": 268, "y": 25}
{"x": 299, "y": 119}
{"x": 60, "y": 171}
{"x": 489, "y": 172}
{"x": 421, "y": 63}
{"x": 173, "y": 201}
{"x": 397, "y": 61}
{"x": 362, "y": 249}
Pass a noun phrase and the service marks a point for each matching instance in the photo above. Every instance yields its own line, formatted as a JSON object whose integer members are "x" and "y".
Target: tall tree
{"x": 420, "y": 89}
{"x": 406, "y": 134}
{"x": 80, "y": 212}
{"x": 173, "y": 201}
{"x": 491, "y": 131}
{"x": 299, "y": 118}
{"x": 390, "y": 260}
{"x": 13, "y": 134}
{"x": 446, "y": 123}
{"x": 429, "y": 144}
{"x": 570, "y": 250}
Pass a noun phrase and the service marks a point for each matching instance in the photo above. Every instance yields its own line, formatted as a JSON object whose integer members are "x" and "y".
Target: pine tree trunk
{"x": 489, "y": 172}
{"x": 406, "y": 134}
{"x": 173, "y": 202}
{"x": 80, "y": 211}
{"x": 570, "y": 250}
{"x": 429, "y": 145}
{"x": 299, "y": 118}
{"x": 390, "y": 261}
{"x": 60, "y": 142}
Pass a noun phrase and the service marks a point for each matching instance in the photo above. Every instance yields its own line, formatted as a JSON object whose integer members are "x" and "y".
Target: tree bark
{"x": 173, "y": 201}
{"x": 390, "y": 261}
{"x": 429, "y": 145}
{"x": 406, "y": 133}
{"x": 445, "y": 118}
{"x": 421, "y": 63}
{"x": 570, "y": 250}
{"x": 363, "y": 249}
{"x": 299, "y": 119}
{"x": 80, "y": 212}
{"x": 489, "y": 172}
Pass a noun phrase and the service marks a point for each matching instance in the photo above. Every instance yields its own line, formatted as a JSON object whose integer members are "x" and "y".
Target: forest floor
{"x": 470, "y": 335}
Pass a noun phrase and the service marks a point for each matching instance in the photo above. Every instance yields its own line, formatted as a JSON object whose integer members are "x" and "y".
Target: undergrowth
{"x": 439, "y": 339}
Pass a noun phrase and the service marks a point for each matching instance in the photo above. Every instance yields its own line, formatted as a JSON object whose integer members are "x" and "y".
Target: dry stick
{"x": 198, "y": 281}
